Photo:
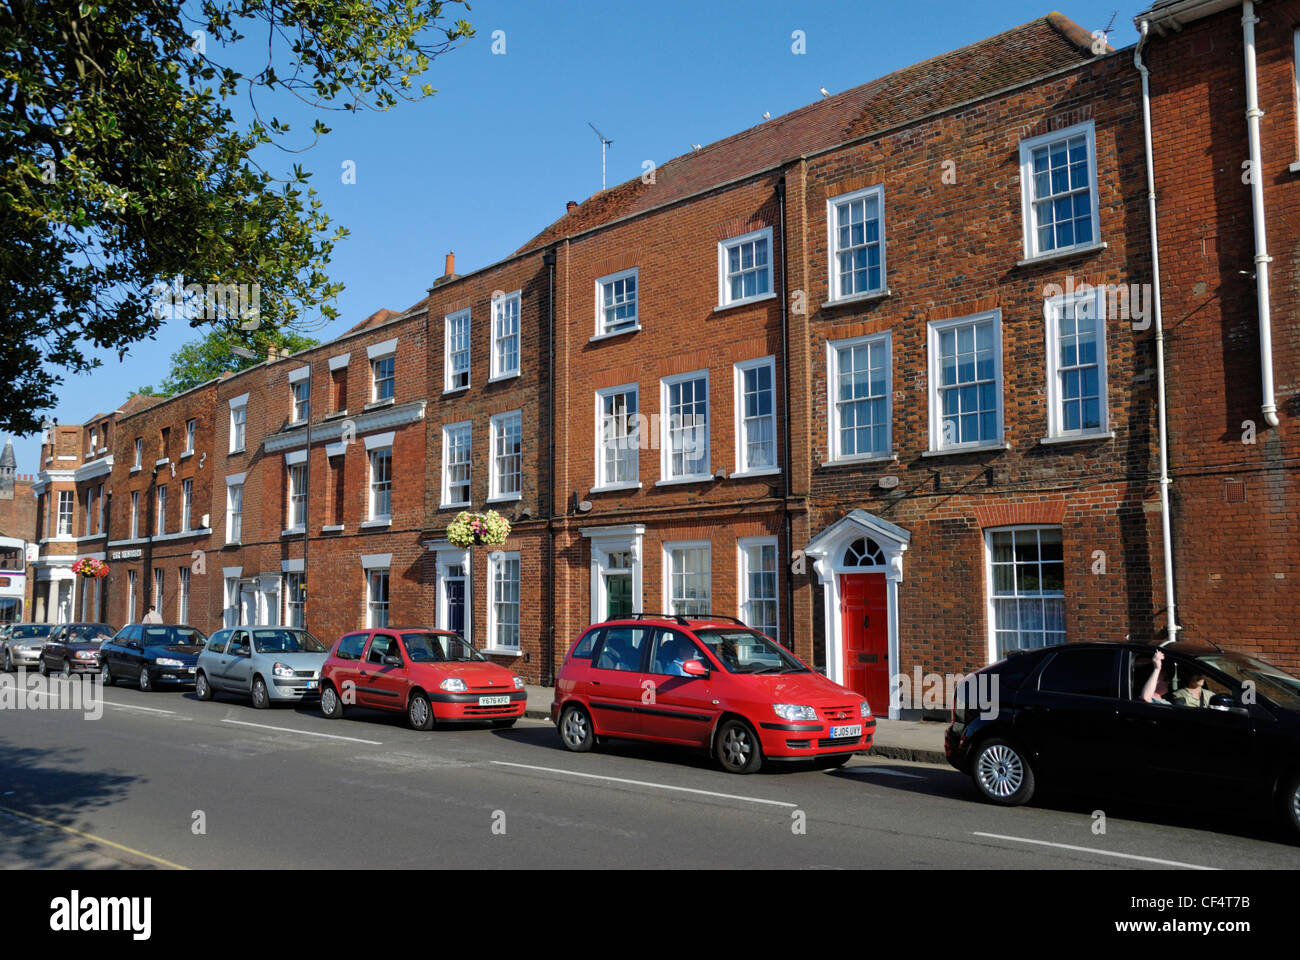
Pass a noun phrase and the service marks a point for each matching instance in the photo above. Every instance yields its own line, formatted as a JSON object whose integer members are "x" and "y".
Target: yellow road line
{"x": 93, "y": 838}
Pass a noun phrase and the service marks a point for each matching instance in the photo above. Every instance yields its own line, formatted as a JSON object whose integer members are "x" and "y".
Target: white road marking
{"x": 305, "y": 733}
{"x": 1100, "y": 853}
{"x": 107, "y": 703}
{"x": 643, "y": 783}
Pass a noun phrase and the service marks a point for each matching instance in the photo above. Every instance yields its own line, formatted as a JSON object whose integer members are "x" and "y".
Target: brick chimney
{"x": 569, "y": 207}
{"x": 449, "y": 269}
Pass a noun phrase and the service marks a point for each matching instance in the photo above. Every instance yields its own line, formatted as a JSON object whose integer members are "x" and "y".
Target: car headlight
{"x": 168, "y": 662}
{"x": 864, "y": 710}
{"x": 792, "y": 711}
{"x": 519, "y": 683}
{"x": 86, "y": 655}
{"x": 453, "y": 685}
{"x": 282, "y": 670}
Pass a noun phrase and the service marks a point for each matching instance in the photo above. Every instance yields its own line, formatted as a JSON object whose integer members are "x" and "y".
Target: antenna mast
{"x": 604, "y": 142}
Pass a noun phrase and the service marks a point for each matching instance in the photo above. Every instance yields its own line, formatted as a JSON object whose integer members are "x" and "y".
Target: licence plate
{"x": 311, "y": 684}
{"x": 853, "y": 731}
{"x": 493, "y": 701}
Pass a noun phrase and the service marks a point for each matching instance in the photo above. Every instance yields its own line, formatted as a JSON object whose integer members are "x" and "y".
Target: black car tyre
{"x": 66, "y": 672}
{"x": 419, "y": 712}
{"x": 202, "y": 689}
{"x": 261, "y": 699}
{"x": 737, "y": 748}
{"x": 105, "y": 675}
{"x": 146, "y": 681}
{"x": 576, "y": 731}
{"x": 1002, "y": 773}
{"x": 1290, "y": 799}
{"x": 331, "y": 704}
{"x": 42, "y": 667}
{"x": 9, "y": 661}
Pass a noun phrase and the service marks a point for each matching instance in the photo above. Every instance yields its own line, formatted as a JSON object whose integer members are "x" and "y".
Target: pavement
{"x": 920, "y": 741}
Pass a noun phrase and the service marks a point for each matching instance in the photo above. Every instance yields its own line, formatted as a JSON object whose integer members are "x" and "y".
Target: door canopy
{"x": 856, "y": 542}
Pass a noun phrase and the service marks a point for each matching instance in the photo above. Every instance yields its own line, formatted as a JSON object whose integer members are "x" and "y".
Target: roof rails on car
{"x": 680, "y": 618}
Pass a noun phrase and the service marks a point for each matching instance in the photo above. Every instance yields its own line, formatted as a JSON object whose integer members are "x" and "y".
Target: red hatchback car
{"x": 431, "y": 675}
{"x": 709, "y": 682}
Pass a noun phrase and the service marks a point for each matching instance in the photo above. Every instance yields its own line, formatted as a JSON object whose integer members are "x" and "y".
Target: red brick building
{"x": 17, "y": 524}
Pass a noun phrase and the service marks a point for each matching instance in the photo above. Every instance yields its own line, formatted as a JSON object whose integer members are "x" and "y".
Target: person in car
{"x": 1149, "y": 694}
{"x": 1194, "y": 694}
{"x": 678, "y": 651}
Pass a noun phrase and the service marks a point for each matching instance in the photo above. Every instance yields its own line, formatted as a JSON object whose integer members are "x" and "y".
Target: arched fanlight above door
{"x": 864, "y": 552}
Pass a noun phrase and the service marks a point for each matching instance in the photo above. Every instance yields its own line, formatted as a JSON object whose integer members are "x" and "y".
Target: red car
{"x": 708, "y": 682}
{"x": 430, "y": 675}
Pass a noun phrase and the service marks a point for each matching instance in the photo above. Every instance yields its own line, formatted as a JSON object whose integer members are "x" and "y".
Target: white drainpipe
{"x": 1166, "y": 531}
{"x": 1262, "y": 259}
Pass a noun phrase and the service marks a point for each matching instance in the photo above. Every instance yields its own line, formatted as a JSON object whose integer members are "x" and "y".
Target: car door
{"x": 675, "y": 706}
{"x": 237, "y": 664}
{"x": 370, "y": 691}
{"x": 1068, "y": 715}
{"x": 55, "y": 650}
{"x": 211, "y": 655}
{"x": 345, "y": 666}
{"x": 617, "y": 677}
{"x": 386, "y": 684}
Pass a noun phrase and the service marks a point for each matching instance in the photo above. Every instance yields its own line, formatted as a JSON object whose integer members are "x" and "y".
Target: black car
{"x": 1073, "y": 715}
{"x": 73, "y": 648}
{"x": 152, "y": 655}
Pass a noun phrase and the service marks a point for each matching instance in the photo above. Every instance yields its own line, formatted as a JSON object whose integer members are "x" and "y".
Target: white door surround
{"x": 607, "y": 540}
{"x": 447, "y": 556}
{"x": 829, "y": 551}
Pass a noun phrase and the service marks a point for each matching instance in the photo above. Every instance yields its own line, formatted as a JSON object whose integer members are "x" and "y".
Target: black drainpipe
{"x": 785, "y": 397}
{"x": 548, "y": 638}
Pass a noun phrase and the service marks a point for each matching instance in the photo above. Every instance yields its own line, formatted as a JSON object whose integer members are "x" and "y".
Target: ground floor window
{"x": 503, "y": 601}
{"x": 295, "y": 598}
{"x": 1026, "y": 588}
{"x": 183, "y": 596}
{"x": 758, "y": 606}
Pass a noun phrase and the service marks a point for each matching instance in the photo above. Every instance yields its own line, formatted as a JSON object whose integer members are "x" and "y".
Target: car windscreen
{"x": 746, "y": 651}
{"x": 286, "y": 641}
{"x": 32, "y": 631}
{"x": 171, "y": 636}
{"x": 1274, "y": 683}
{"x": 83, "y": 632}
{"x": 438, "y": 648}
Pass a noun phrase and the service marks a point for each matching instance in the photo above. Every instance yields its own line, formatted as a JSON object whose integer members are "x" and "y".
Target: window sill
{"x": 332, "y": 528}
{"x": 859, "y": 298}
{"x": 233, "y": 543}
{"x": 376, "y": 404}
{"x": 237, "y": 450}
{"x": 615, "y": 333}
{"x": 744, "y": 303}
{"x": 187, "y": 453}
{"x": 508, "y": 498}
{"x": 1295, "y": 167}
{"x": 293, "y": 425}
{"x": 163, "y": 462}
{"x": 615, "y": 487}
{"x": 1080, "y": 438}
{"x": 371, "y": 524}
{"x": 764, "y": 472}
{"x": 336, "y": 413}
{"x": 954, "y": 451}
{"x": 675, "y": 481}
{"x": 503, "y": 376}
{"x": 1061, "y": 254}
{"x": 861, "y": 461}
{"x": 454, "y": 506}
{"x": 135, "y": 469}
{"x": 293, "y": 532}
{"x": 451, "y": 390}
{"x": 502, "y": 651}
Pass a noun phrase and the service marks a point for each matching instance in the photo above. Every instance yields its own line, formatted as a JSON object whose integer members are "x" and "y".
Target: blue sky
{"x": 492, "y": 158}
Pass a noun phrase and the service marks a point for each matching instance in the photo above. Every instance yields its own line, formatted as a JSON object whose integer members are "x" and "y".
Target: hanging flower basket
{"x": 90, "y": 567}
{"x": 469, "y": 529}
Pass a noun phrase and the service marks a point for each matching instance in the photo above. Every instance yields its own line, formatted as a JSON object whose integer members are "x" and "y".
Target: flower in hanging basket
{"x": 469, "y": 529}
{"x": 90, "y": 567}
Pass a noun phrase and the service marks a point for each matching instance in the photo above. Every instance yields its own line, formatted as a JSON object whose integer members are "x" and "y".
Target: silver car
{"x": 268, "y": 664}
{"x": 23, "y": 643}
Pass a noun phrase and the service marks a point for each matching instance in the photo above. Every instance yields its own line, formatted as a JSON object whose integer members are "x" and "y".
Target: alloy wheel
{"x": 737, "y": 747}
{"x": 575, "y": 728}
{"x": 419, "y": 711}
{"x": 1000, "y": 771}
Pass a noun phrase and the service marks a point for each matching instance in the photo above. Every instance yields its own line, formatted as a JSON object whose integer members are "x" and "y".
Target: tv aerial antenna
{"x": 604, "y": 142}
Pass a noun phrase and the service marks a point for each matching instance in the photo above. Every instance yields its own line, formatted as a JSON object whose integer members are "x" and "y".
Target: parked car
{"x": 1074, "y": 715}
{"x": 268, "y": 664}
{"x": 22, "y": 644}
{"x": 74, "y": 648}
{"x": 430, "y": 675}
{"x": 707, "y": 682}
{"x": 151, "y": 655}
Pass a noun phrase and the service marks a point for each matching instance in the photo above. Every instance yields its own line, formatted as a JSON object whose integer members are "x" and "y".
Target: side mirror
{"x": 392, "y": 661}
{"x": 695, "y": 668}
{"x": 1227, "y": 704}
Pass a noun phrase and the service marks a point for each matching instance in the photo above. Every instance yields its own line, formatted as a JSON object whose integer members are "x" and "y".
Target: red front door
{"x": 864, "y": 618}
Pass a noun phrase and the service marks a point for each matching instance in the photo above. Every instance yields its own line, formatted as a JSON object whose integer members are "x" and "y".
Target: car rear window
{"x": 168, "y": 636}
{"x": 350, "y": 647}
{"x": 1084, "y": 673}
{"x": 586, "y": 645}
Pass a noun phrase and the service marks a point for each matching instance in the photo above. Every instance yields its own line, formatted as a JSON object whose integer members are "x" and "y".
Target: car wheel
{"x": 502, "y": 724}
{"x": 202, "y": 689}
{"x": 9, "y": 662}
{"x": 66, "y": 672}
{"x": 575, "y": 729}
{"x": 737, "y": 747}
{"x": 419, "y": 712}
{"x": 42, "y": 667}
{"x": 1002, "y": 774}
{"x": 105, "y": 675}
{"x": 331, "y": 704}
{"x": 1291, "y": 805}
{"x": 261, "y": 699}
{"x": 146, "y": 682}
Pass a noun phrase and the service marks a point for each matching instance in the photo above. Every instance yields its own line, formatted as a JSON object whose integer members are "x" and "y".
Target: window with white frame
{"x": 99, "y": 513}
{"x": 183, "y": 595}
{"x": 857, "y": 243}
{"x": 230, "y": 608}
{"x": 161, "y": 506}
{"x": 616, "y": 303}
{"x": 92, "y": 443}
{"x": 506, "y": 431}
{"x": 758, "y": 598}
{"x": 505, "y": 335}
{"x": 238, "y": 425}
{"x": 135, "y": 514}
{"x": 159, "y": 580}
{"x": 685, "y": 426}
{"x": 745, "y": 267}
{"x": 456, "y": 464}
{"x": 295, "y": 598}
{"x": 139, "y": 452}
{"x": 301, "y": 401}
{"x": 858, "y": 375}
{"x": 966, "y": 382}
{"x": 756, "y": 415}
{"x": 1059, "y": 183}
{"x": 381, "y": 483}
{"x": 130, "y": 595}
{"x": 1076, "y": 365}
{"x": 1026, "y": 571}
{"x": 234, "y": 512}
{"x": 187, "y": 503}
{"x": 382, "y": 378}
{"x": 617, "y": 436}
{"x": 90, "y": 510}
{"x": 297, "y": 515}
{"x": 191, "y": 430}
{"x": 64, "y": 528}
{"x": 689, "y": 578}
{"x": 457, "y": 351}
{"x": 503, "y": 601}
{"x": 377, "y": 598}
